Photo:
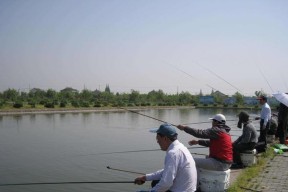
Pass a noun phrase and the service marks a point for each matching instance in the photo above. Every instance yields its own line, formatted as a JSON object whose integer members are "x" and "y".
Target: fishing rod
{"x": 166, "y": 121}
{"x": 146, "y": 116}
{"x": 199, "y": 154}
{"x": 126, "y": 171}
{"x": 63, "y": 183}
{"x": 206, "y": 122}
{"x": 134, "y": 151}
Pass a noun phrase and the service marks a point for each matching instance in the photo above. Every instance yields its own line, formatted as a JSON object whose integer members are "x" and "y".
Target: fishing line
{"x": 219, "y": 77}
{"x": 192, "y": 76}
{"x": 265, "y": 79}
{"x": 62, "y": 183}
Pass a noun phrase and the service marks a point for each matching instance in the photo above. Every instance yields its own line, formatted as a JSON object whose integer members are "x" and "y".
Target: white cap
{"x": 220, "y": 118}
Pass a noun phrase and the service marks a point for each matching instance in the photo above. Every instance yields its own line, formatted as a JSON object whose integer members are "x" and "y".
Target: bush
{"x": 49, "y": 105}
{"x": 18, "y": 105}
{"x": 97, "y": 105}
{"x": 75, "y": 104}
{"x": 63, "y": 104}
{"x": 84, "y": 104}
{"x": 32, "y": 104}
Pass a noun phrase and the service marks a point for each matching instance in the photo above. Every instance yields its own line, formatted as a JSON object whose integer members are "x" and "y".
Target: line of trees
{"x": 69, "y": 97}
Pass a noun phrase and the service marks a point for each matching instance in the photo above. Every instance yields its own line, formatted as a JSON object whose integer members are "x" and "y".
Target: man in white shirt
{"x": 179, "y": 173}
{"x": 265, "y": 118}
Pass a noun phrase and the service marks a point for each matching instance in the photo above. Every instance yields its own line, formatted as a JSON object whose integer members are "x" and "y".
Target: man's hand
{"x": 181, "y": 127}
{"x": 140, "y": 180}
{"x": 193, "y": 142}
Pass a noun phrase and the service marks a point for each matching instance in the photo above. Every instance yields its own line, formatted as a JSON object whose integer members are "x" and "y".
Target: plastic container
{"x": 249, "y": 158}
{"x": 213, "y": 181}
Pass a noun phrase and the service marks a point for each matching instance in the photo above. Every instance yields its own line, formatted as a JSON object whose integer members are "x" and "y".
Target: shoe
{"x": 237, "y": 166}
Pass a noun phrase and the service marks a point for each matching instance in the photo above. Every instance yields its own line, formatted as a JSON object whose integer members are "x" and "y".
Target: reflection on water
{"x": 67, "y": 147}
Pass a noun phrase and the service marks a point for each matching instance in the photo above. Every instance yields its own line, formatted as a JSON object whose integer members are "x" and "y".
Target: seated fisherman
{"x": 247, "y": 141}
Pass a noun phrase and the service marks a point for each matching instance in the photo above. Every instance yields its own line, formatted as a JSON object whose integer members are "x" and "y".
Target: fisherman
{"x": 265, "y": 117}
{"x": 282, "y": 123}
{"x": 179, "y": 173}
{"x": 219, "y": 143}
{"x": 247, "y": 141}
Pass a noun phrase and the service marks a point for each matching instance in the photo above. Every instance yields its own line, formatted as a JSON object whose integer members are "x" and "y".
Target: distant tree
{"x": 200, "y": 94}
{"x": 51, "y": 94}
{"x": 11, "y": 95}
{"x": 134, "y": 97}
{"x": 36, "y": 95}
{"x": 239, "y": 98}
{"x": 107, "y": 89}
{"x": 185, "y": 98}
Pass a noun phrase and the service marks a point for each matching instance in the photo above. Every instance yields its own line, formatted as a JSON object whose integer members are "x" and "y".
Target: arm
{"x": 148, "y": 177}
{"x": 205, "y": 134}
{"x": 205, "y": 143}
{"x": 168, "y": 174}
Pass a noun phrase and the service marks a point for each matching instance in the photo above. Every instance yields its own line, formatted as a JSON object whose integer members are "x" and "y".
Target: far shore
{"x": 81, "y": 110}
{"x": 25, "y": 111}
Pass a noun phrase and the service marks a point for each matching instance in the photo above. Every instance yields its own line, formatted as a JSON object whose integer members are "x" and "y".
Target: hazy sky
{"x": 145, "y": 45}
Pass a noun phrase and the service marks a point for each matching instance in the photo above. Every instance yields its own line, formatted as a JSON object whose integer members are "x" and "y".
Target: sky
{"x": 144, "y": 45}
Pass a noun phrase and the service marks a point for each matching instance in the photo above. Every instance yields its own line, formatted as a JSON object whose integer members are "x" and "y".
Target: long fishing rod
{"x": 63, "y": 183}
{"x": 206, "y": 122}
{"x": 135, "y": 151}
{"x": 166, "y": 121}
{"x": 146, "y": 116}
{"x": 126, "y": 171}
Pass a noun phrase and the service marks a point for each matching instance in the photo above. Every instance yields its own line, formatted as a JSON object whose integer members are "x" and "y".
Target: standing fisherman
{"x": 265, "y": 117}
{"x": 282, "y": 123}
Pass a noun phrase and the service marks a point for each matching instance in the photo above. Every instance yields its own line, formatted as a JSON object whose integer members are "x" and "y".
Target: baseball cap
{"x": 165, "y": 129}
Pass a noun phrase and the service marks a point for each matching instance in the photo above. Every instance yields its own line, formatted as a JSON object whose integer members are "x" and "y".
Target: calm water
{"x": 69, "y": 147}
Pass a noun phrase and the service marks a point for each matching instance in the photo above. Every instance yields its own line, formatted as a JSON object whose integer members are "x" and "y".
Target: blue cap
{"x": 165, "y": 129}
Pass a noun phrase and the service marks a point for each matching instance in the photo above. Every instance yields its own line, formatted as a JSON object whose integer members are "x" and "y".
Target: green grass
{"x": 251, "y": 172}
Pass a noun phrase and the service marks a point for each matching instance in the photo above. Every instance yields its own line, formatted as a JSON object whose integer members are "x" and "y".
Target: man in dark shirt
{"x": 282, "y": 123}
{"x": 248, "y": 139}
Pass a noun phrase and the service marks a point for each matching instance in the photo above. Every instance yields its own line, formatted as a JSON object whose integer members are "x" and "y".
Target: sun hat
{"x": 219, "y": 117}
{"x": 165, "y": 129}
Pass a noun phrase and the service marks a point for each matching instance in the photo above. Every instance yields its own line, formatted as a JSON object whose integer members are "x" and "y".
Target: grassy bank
{"x": 251, "y": 172}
